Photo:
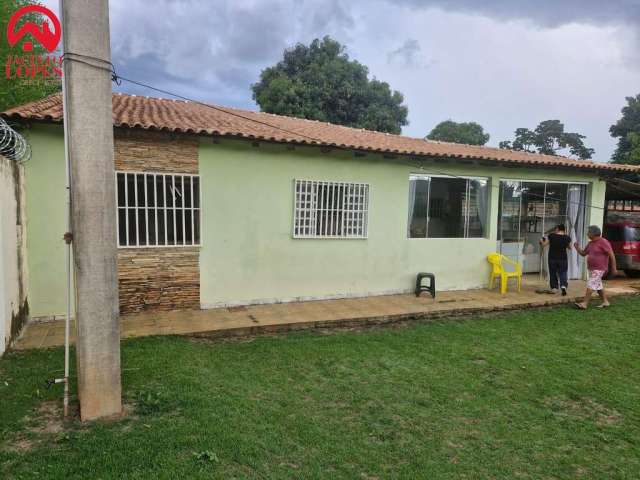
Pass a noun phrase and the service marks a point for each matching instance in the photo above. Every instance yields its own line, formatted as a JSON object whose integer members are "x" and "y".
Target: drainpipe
{"x": 68, "y": 237}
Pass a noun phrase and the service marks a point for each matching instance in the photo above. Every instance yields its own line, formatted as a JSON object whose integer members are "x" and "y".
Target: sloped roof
{"x": 203, "y": 119}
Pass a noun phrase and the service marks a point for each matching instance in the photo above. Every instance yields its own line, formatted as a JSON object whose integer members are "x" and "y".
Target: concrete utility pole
{"x": 89, "y": 136}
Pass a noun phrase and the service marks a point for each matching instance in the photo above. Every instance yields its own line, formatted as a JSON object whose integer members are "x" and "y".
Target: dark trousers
{"x": 558, "y": 270}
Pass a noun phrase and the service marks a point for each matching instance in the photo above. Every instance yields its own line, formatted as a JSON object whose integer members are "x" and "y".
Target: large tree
{"x": 15, "y": 91}
{"x": 470, "y": 133}
{"x": 549, "y": 138}
{"x": 320, "y": 82}
{"x": 627, "y": 131}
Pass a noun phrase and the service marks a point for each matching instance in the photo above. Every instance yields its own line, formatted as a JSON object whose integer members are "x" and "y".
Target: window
{"x": 447, "y": 207}
{"x": 158, "y": 210}
{"x": 330, "y": 209}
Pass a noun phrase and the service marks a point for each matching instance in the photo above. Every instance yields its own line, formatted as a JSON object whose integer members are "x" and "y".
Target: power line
{"x": 118, "y": 79}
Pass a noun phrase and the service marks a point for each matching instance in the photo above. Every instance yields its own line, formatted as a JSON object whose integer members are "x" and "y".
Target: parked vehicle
{"x": 625, "y": 240}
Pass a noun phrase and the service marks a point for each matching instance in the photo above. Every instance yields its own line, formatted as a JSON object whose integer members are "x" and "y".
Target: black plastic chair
{"x": 431, "y": 288}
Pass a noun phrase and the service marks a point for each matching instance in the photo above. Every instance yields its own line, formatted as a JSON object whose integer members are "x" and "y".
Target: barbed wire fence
{"x": 13, "y": 145}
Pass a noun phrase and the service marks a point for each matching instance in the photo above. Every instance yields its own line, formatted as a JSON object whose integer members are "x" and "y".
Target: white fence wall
{"x": 13, "y": 296}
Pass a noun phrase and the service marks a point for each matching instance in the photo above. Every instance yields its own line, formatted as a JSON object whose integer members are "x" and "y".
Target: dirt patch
{"x": 47, "y": 426}
{"x": 45, "y": 422}
{"x": 583, "y": 409}
{"x": 49, "y": 419}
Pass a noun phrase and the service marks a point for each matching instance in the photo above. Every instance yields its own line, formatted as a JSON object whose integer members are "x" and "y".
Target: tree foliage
{"x": 627, "y": 131}
{"x": 470, "y": 133}
{"x": 320, "y": 82}
{"x": 549, "y": 138}
{"x": 14, "y": 91}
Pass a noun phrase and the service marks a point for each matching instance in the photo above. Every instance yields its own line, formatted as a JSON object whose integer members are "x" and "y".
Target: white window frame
{"x": 354, "y": 211}
{"x": 157, "y": 210}
{"x": 416, "y": 176}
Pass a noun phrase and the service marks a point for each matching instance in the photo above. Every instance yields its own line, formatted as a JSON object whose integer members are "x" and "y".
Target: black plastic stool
{"x": 431, "y": 288}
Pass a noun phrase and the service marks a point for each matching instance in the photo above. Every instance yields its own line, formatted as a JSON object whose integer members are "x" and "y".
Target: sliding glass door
{"x": 530, "y": 210}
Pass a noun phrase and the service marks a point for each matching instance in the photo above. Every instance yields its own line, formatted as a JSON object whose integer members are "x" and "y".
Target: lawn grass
{"x": 539, "y": 394}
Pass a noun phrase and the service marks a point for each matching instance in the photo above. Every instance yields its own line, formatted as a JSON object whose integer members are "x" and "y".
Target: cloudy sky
{"x": 502, "y": 63}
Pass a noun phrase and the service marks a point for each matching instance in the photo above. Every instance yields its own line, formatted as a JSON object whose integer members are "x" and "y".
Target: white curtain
{"x": 581, "y": 227}
{"x": 574, "y": 207}
{"x": 481, "y": 192}
{"x": 412, "y": 203}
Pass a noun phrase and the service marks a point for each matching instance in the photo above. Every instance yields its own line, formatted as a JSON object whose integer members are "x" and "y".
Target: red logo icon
{"x": 41, "y": 33}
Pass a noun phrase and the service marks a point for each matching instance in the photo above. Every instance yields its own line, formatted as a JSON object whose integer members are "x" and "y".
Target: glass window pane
{"x": 509, "y": 211}
{"x": 188, "y": 228}
{"x": 160, "y": 190}
{"x": 509, "y": 219}
{"x": 187, "y": 192}
{"x": 532, "y": 225}
{"x": 196, "y": 192}
{"x": 179, "y": 226}
{"x": 478, "y": 205}
{"x": 555, "y": 206}
{"x": 151, "y": 193}
{"x": 121, "y": 187}
{"x": 178, "y": 191}
{"x": 122, "y": 226}
{"x": 151, "y": 222}
{"x": 447, "y": 198}
{"x": 142, "y": 227}
{"x": 171, "y": 239}
{"x": 196, "y": 226}
{"x": 168, "y": 182}
{"x": 418, "y": 206}
{"x": 161, "y": 231}
{"x": 132, "y": 226}
{"x": 140, "y": 186}
{"x": 131, "y": 190}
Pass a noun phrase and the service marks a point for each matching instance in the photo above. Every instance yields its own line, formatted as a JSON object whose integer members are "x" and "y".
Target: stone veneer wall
{"x": 157, "y": 278}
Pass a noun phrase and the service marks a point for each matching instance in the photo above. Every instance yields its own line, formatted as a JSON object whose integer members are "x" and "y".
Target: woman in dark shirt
{"x": 559, "y": 242}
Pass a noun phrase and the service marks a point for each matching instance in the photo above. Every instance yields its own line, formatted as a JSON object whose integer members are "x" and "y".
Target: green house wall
{"x": 248, "y": 253}
{"x": 46, "y": 221}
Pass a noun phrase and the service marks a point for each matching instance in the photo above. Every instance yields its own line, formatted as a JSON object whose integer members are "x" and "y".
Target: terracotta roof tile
{"x": 197, "y": 118}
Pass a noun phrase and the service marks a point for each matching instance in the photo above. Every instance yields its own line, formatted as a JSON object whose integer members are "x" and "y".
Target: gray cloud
{"x": 214, "y": 51}
{"x": 406, "y": 55}
{"x": 547, "y": 13}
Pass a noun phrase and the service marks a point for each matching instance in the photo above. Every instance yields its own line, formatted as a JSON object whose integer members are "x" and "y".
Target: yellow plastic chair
{"x": 498, "y": 262}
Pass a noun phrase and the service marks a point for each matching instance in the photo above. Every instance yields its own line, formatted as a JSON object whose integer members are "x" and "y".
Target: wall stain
{"x": 19, "y": 318}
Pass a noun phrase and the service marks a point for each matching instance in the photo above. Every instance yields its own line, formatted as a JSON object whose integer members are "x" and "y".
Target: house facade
{"x": 221, "y": 207}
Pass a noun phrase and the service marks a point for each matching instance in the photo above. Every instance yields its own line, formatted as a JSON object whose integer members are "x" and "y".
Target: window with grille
{"x": 330, "y": 209}
{"x": 158, "y": 209}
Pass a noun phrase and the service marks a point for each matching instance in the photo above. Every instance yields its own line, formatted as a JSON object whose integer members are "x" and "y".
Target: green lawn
{"x": 539, "y": 394}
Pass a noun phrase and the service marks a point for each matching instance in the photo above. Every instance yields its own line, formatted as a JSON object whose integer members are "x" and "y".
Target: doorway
{"x": 530, "y": 210}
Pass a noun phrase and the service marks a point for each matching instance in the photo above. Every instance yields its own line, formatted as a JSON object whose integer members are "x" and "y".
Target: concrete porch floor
{"x": 238, "y": 321}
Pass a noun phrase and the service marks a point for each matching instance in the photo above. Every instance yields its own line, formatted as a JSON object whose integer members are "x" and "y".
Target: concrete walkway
{"x": 323, "y": 314}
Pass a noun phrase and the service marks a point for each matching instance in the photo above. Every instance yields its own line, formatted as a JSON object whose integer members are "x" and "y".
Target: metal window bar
{"x": 325, "y": 209}
{"x": 193, "y": 214}
{"x": 164, "y": 207}
{"x": 184, "y": 218}
{"x": 152, "y": 178}
{"x": 146, "y": 206}
{"x": 139, "y": 206}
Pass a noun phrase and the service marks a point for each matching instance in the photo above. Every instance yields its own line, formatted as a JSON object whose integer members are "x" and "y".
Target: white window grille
{"x": 158, "y": 209}
{"x": 330, "y": 209}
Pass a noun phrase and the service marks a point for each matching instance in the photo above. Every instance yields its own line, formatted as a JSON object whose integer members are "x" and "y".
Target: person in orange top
{"x": 599, "y": 253}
